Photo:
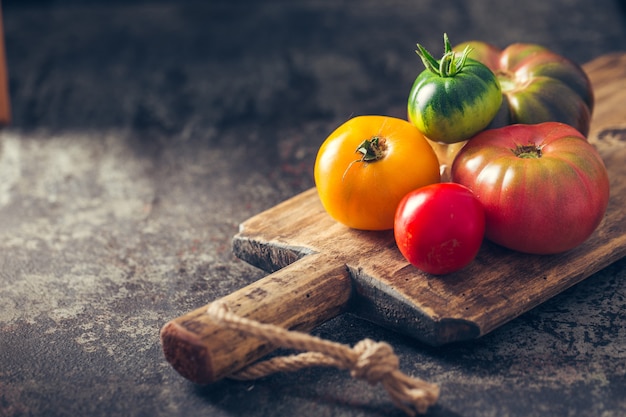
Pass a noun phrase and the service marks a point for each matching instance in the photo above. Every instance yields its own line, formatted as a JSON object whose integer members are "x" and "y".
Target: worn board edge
{"x": 381, "y": 303}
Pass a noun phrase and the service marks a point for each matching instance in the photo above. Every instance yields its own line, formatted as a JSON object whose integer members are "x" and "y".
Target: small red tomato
{"x": 439, "y": 228}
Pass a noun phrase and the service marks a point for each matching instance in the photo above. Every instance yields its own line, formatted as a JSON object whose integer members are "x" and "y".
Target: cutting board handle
{"x": 299, "y": 297}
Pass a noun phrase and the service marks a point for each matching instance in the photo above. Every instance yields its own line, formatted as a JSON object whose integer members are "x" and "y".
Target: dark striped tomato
{"x": 538, "y": 85}
{"x": 453, "y": 98}
{"x": 544, "y": 188}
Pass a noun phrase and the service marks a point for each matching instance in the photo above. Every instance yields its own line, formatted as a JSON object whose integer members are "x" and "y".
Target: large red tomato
{"x": 439, "y": 228}
{"x": 545, "y": 189}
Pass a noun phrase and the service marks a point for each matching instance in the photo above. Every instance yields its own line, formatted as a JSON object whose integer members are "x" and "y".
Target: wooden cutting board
{"x": 321, "y": 269}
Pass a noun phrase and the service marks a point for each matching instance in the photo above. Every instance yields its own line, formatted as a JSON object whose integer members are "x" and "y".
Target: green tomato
{"x": 453, "y": 98}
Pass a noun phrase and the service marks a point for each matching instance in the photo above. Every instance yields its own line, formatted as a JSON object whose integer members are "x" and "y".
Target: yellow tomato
{"x": 367, "y": 165}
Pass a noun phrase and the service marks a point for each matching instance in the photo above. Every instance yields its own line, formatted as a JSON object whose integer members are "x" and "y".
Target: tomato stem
{"x": 450, "y": 63}
{"x": 372, "y": 149}
{"x": 529, "y": 151}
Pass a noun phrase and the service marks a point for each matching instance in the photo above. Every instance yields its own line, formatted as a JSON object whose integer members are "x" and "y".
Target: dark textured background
{"x": 144, "y": 132}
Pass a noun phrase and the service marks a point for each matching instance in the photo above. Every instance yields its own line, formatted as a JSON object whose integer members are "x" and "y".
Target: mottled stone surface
{"x": 145, "y": 132}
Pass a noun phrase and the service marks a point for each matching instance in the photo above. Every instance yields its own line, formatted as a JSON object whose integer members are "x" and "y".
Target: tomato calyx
{"x": 450, "y": 63}
{"x": 372, "y": 149}
{"x": 529, "y": 151}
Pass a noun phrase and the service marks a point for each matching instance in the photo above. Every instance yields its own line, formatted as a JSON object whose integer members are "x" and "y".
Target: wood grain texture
{"x": 300, "y": 297}
{"x": 381, "y": 286}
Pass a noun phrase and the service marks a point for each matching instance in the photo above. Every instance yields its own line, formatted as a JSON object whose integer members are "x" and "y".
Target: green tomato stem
{"x": 449, "y": 65}
{"x": 372, "y": 149}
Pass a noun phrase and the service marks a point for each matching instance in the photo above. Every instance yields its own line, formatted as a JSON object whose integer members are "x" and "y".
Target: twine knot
{"x": 374, "y": 362}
